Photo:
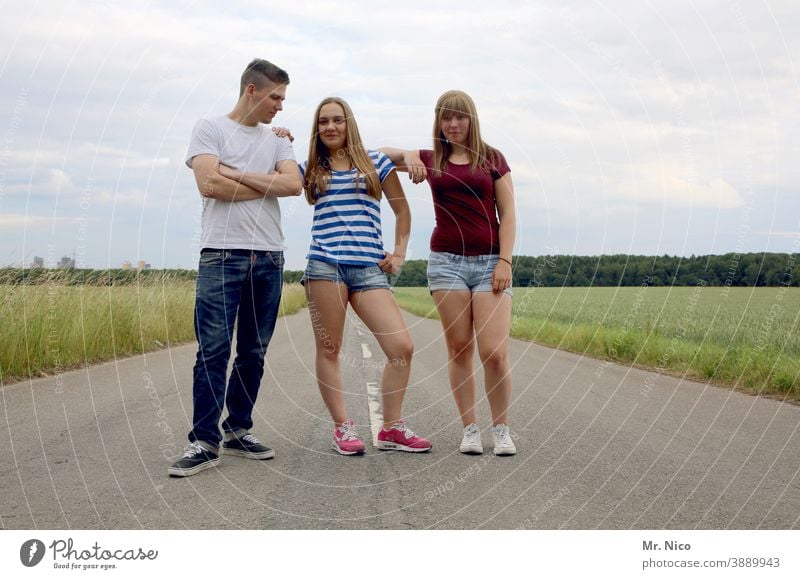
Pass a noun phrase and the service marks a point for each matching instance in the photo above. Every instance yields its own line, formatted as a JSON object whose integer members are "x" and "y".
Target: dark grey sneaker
{"x": 195, "y": 458}
{"x": 247, "y": 446}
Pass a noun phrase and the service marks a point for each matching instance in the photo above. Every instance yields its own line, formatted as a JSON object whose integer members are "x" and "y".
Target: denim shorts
{"x": 473, "y": 273}
{"x": 356, "y": 277}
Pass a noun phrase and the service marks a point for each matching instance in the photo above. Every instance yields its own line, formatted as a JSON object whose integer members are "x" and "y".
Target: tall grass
{"x": 747, "y": 337}
{"x": 52, "y": 327}
{"x": 293, "y": 299}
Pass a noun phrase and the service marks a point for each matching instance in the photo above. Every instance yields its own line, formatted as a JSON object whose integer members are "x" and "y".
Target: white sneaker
{"x": 503, "y": 445}
{"x": 471, "y": 443}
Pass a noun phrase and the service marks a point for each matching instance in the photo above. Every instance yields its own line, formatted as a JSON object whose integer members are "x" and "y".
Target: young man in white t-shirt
{"x": 241, "y": 168}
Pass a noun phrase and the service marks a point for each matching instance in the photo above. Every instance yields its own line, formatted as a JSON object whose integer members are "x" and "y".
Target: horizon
{"x": 133, "y": 267}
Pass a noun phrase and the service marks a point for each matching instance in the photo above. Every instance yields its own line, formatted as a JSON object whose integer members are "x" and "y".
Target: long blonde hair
{"x": 318, "y": 168}
{"x": 481, "y": 155}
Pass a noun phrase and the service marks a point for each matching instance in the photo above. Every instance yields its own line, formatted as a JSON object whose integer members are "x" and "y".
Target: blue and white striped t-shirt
{"x": 347, "y": 221}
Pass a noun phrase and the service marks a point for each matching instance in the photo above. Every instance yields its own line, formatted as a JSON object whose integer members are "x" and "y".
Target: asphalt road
{"x": 601, "y": 446}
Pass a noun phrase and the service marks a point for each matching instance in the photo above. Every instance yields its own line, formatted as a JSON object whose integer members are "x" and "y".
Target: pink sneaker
{"x": 400, "y": 437}
{"x": 345, "y": 439}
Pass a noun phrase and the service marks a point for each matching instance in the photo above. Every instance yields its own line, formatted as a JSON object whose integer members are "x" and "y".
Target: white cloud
{"x": 59, "y": 182}
{"x": 782, "y": 234}
{"x": 37, "y": 222}
{"x": 128, "y": 199}
{"x": 716, "y": 194}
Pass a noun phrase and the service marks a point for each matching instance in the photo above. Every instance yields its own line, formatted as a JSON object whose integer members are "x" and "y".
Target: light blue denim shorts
{"x": 473, "y": 273}
{"x": 356, "y": 277}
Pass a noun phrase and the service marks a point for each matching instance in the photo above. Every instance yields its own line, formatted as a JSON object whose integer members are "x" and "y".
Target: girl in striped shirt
{"x": 348, "y": 265}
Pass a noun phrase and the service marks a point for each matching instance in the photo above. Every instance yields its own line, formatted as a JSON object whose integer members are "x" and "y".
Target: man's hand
{"x": 228, "y": 172}
{"x": 284, "y": 182}
{"x": 214, "y": 184}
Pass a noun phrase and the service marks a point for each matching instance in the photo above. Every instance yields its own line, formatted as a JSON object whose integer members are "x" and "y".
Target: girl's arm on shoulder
{"x": 402, "y": 229}
{"x": 408, "y": 161}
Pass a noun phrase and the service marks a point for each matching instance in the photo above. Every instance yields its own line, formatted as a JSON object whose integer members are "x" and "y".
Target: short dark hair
{"x": 260, "y": 70}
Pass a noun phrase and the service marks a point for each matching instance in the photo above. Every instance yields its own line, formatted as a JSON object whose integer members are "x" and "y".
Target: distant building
{"x": 66, "y": 263}
{"x": 126, "y": 265}
{"x": 37, "y": 262}
{"x": 140, "y": 265}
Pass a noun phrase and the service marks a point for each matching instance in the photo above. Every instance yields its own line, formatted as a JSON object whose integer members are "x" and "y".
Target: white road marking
{"x": 375, "y": 410}
{"x": 365, "y": 351}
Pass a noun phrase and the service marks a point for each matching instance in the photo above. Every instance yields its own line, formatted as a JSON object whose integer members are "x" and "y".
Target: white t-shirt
{"x": 254, "y": 224}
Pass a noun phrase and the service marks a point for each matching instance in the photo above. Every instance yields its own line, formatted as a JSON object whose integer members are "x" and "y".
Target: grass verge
{"x": 743, "y": 337}
{"x": 53, "y": 327}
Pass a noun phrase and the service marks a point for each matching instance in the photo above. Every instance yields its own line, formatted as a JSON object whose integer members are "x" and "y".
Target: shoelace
{"x": 403, "y": 427}
{"x": 472, "y": 433}
{"x": 192, "y": 450}
{"x": 503, "y": 437}
{"x": 348, "y": 431}
{"x": 251, "y": 439}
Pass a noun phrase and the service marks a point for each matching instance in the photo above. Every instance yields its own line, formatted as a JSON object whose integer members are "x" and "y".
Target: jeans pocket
{"x": 437, "y": 258}
{"x": 378, "y": 276}
{"x": 277, "y": 258}
{"x": 212, "y": 257}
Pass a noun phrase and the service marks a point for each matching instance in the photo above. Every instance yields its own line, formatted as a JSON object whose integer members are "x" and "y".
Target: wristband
{"x": 508, "y": 261}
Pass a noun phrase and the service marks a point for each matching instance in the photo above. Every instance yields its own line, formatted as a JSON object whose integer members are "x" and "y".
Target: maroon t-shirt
{"x": 465, "y": 208}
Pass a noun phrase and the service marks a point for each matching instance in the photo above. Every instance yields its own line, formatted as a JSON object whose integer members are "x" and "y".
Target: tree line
{"x": 730, "y": 269}
{"x": 93, "y": 277}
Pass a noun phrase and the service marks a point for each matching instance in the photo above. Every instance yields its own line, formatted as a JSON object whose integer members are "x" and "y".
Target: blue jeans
{"x": 472, "y": 273}
{"x": 231, "y": 283}
{"x": 356, "y": 277}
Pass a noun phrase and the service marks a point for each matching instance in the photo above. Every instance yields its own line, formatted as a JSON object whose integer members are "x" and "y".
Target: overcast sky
{"x": 645, "y": 128}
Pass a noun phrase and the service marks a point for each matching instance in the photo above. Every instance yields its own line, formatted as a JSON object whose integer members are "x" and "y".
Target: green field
{"x": 744, "y": 337}
{"x": 52, "y": 327}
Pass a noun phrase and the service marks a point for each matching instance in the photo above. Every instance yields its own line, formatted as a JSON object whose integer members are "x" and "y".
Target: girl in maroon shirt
{"x": 469, "y": 269}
